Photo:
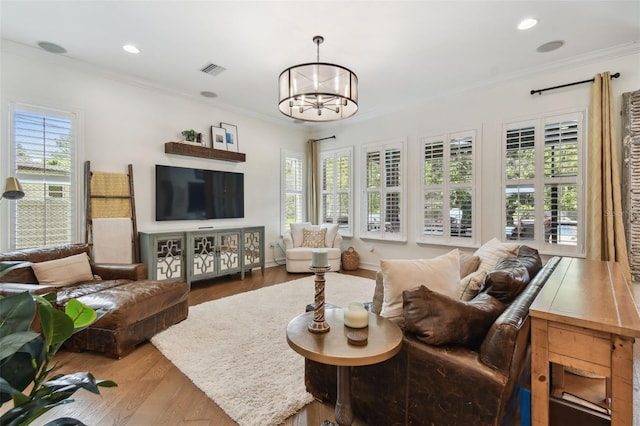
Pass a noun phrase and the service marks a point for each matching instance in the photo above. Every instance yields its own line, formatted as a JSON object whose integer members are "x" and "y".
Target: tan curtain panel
{"x": 605, "y": 226}
{"x": 313, "y": 191}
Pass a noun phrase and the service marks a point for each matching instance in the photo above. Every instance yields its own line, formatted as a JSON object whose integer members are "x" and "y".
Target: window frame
{"x": 381, "y": 233}
{"x": 447, "y": 186}
{"x": 539, "y": 181}
{"x": 76, "y": 185}
{"x": 335, "y": 154}
{"x": 284, "y": 191}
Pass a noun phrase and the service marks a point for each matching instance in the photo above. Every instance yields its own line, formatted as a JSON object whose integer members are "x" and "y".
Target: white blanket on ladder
{"x": 112, "y": 240}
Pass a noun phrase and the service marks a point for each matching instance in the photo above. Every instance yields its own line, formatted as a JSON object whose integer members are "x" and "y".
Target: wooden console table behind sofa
{"x": 584, "y": 317}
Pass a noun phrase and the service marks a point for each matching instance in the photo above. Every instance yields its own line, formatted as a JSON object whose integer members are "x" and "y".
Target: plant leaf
{"x": 56, "y": 325}
{"x": 11, "y": 343}
{"x": 16, "y": 313}
{"x": 81, "y": 314}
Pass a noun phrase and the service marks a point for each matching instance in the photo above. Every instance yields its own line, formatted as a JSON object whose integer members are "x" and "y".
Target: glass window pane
{"x": 520, "y": 154}
{"x": 520, "y": 207}
{"x": 434, "y": 163}
{"x": 373, "y": 169}
{"x": 461, "y": 160}
{"x": 561, "y": 214}
{"x": 392, "y": 168}
{"x": 433, "y": 213}
{"x": 43, "y": 163}
{"x": 373, "y": 211}
{"x": 460, "y": 212}
{"x": 561, "y": 149}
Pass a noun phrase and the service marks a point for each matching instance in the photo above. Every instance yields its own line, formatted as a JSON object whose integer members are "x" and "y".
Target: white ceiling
{"x": 404, "y": 52}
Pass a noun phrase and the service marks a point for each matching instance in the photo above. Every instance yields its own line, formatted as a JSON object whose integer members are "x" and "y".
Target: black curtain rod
{"x": 328, "y": 137}
{"x": 539, "y": 91}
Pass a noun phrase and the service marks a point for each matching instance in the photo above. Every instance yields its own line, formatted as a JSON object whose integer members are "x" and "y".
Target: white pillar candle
{"x": 319, "y": 258}
{"x": 356, "y": 316}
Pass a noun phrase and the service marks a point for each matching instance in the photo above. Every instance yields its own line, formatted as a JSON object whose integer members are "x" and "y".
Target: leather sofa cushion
{"x": 126, "y": 301}
{"x": 507, "y": 280}
{"x": 438, "y": 319}
{"x": 530, "y": 259}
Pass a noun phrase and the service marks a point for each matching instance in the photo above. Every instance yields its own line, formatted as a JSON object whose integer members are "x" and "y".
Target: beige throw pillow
{"x": 296, "y": 232}
{"x": 492, "y": 251}
{"x": 65, "y": 271}
{"x": 468, "y": 264}
{"x": 440, "y": 274}
{"x": 313, "y": 239}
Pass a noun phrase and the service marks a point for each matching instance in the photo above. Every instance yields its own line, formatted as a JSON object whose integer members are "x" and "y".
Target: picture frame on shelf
{"x": 231, "y": 136}
{"x": 218, "y": 138}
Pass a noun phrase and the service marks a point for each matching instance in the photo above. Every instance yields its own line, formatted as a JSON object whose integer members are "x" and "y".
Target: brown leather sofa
{"x": 444, "y": 385}
{"x": 134, "y": 309}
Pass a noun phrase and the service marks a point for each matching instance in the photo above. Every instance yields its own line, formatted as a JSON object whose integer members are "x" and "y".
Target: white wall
{"x": 128, "y": 123}
{"x": 487, "y": 108}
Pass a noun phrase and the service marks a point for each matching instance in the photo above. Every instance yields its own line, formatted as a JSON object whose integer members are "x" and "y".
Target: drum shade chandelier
{"x": 318, "y": 91}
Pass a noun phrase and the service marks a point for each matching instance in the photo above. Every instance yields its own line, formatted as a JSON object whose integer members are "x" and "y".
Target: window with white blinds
{"x": 43, "y": 144}
{"x": 336, "y": 198}
{"x": 292, "y": 186}
{"x": 448, "y": 187}
{"x": 383, "y": 199}
{"x": 543, "y": 176}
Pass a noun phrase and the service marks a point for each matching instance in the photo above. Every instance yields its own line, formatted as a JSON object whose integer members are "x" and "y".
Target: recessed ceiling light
{"x": 527, "y": 23}
{"x": 208, "y": 94}
{"x": 550, "y": 47}
{"x": 51, "y": 47}
{"x": 130, "y": 48}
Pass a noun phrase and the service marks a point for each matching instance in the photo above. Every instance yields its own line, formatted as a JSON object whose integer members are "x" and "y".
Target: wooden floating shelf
{"x": 179, "y": 148}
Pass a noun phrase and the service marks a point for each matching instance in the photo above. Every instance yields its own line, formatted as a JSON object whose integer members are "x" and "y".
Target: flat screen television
{"x": 198, "y": 194}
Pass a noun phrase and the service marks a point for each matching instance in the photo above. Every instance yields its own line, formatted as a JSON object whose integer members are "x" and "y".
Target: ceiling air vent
{"x": 212, "y": 69}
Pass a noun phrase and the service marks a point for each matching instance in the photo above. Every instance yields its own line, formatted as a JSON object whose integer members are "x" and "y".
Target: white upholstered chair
{"x": 298, "y": 249}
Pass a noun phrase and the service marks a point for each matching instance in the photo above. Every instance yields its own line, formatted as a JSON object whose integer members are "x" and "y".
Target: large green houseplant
{"x": 26, "y": 357}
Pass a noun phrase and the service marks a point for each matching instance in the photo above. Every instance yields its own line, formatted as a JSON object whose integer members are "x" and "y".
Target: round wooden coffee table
{"x": 384, "y": 340}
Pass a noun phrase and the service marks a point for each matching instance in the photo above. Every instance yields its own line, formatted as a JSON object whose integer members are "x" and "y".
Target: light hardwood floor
{"x": 152, "y": 391}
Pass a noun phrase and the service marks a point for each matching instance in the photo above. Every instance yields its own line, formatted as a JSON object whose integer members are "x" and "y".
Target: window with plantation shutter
{"x": 448, "y": 188}
{"x": 336, "y": 200}
{"x": 543, "y": 175}
{"x": 292, "y": 186}
{"x": 43, "y": 144}
{"x": 383, "y": 199}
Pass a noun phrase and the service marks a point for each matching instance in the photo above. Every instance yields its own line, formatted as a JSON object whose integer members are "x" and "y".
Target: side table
{"x": 584, "y": 317}
{"x": 384, "y": 341}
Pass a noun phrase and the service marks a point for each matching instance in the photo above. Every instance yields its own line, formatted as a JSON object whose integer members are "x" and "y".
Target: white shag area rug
{"x": 235, "y": 348}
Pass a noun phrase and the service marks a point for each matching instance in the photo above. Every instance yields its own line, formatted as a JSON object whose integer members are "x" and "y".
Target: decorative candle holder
{"x": 319, "y": 324}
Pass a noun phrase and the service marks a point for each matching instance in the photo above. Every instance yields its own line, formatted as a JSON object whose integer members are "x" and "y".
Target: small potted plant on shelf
{"x": 192, "y": 136}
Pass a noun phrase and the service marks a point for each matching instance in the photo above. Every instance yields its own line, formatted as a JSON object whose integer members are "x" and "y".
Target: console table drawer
{"x": 580, "y": 348}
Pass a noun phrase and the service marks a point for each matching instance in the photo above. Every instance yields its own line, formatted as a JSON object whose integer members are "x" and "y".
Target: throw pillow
{"x": 441, "y": 274}
{"x": 296, "y": 232}
{"x": 313, "y": 239}
{"x": 530, "y": 259}
{"x": 438, "y": 319}
{"x": 506, "y": 280}
{"x": 332, "y": 232}
{"x": 471, "y": 284}
{"x": 68, "y": 270}
{"x": 468, "y": 264}
{"x": 493, "y": 250}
